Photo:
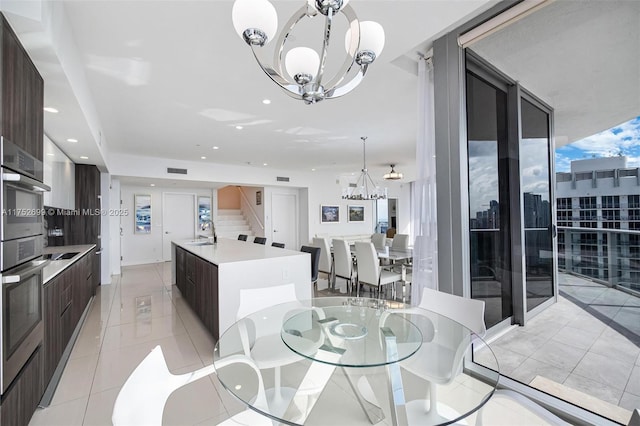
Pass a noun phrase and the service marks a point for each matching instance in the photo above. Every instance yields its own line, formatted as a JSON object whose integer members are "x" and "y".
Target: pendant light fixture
{"x": 393, "y": 175}
{"x": 365, "y": 188}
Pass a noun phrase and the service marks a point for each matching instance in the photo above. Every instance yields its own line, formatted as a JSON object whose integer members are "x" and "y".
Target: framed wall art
{"x": 143, "y": 214}
{"x": 329, "y": 214}
{"x": 355, "y": 214}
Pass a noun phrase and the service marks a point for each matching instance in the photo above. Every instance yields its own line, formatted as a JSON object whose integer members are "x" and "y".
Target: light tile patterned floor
{"x": 141, "y": 309}
{"x": 588, "y": 341}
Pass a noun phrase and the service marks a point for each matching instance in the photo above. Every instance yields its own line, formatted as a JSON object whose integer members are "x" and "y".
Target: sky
{"x": 622, "y": 139}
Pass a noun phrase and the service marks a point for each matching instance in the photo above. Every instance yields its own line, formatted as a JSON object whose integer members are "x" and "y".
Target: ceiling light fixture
{"x": 256, "y": 21}
{"x": 239, "y": 127}
{"x": 72, "y": 140}
{"x": 203, "y": 158}
{"x": 266, "y": 101}
{"x": 365, "y": 188}
{"x": 152, "y": 184}
{"x": 51, "y": 109}
{"x": 393, "y": 175}
{"x": 215, "y": 147}
{"x": 82, "y": 157}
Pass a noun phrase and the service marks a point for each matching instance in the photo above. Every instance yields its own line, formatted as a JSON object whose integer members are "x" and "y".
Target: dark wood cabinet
{"x": 197, "y": 280}
{"x": 22, "y": 95}
{"x": 20, "y": 401}
{"x": 85, "y": 227}
{"x": 65, "y": 298}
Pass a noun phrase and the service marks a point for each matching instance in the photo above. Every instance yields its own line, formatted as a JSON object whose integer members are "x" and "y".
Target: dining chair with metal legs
{"x": 326, "y": 263}
{"x": 369, "y": 270}
{"x": 343, "y": 262}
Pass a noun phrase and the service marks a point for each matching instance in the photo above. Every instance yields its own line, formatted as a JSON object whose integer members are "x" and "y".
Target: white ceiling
{"x": 580, "y": 57}
{"x": 172, "y": 79}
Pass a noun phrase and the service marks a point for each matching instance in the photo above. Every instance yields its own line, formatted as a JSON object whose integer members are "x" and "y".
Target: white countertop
{"x": 55, "y": 267}
{"x": 228, "y": 251}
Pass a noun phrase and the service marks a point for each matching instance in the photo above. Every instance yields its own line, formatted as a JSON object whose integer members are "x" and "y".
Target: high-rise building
{"x": 598, "y": 215}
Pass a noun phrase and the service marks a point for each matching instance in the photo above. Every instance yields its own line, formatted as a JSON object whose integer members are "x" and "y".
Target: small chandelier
{"x": 365, "y": 188}
{"x": 256, "y": 21}
{"x": 393, "y": 175}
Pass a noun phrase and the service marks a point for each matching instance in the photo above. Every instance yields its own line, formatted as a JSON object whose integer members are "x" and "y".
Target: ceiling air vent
{"x": 353, "y": 185}
{"x": 282, "y": 179}
{"x": 176, "y": 171}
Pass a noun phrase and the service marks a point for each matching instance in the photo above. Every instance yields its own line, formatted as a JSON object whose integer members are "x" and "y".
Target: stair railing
{"x": 248, "y": 204}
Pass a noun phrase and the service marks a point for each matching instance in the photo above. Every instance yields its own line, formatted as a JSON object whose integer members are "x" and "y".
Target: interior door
{"x": 285, "y": 220}
{"x": 178, "y": 220}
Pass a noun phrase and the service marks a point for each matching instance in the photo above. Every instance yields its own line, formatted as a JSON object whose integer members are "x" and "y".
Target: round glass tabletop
{"x": 358, "y": 331}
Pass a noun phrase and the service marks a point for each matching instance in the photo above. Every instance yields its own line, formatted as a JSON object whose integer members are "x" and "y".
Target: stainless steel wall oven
{"x": 21, "y": 261}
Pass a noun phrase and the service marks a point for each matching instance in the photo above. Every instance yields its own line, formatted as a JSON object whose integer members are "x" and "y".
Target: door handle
{"x": 166, "y": 232}
{"x": 275, "y": 230}
{"x": 30, "y": 269}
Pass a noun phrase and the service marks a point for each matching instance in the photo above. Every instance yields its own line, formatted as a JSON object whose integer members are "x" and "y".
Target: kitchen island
{"x": 210, "y": 276}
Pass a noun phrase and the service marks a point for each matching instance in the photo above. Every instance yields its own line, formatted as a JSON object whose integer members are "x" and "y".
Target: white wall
{"x": 314, "y": 189}
{"x": 105, "y": 228}
{"x": 146, "y": 248}
{"x": 114, "y": 228}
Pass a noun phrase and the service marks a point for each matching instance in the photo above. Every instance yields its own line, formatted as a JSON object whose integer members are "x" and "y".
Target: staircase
{"x": 231, "y": 223}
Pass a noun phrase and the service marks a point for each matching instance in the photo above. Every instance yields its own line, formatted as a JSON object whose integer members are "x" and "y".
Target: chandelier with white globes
{"x": 256, "y": 21}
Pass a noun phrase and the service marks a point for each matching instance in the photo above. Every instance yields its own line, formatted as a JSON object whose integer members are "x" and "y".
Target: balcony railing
{"x": 612, "y": 259}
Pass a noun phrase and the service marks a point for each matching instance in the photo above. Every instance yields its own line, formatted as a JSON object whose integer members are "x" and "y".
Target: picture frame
{"x": 204, "y": 213}
{"x": 329, "y": 214}
{"x": 258, "y": 198}
{"x": 355, "y": 213}
{"x": 142, "y": 207}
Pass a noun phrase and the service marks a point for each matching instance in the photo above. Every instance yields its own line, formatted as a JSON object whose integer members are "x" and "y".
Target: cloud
{"x": 623, "y": 139}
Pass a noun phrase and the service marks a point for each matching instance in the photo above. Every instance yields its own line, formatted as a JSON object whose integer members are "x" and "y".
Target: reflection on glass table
{"x": 350, "y": 369}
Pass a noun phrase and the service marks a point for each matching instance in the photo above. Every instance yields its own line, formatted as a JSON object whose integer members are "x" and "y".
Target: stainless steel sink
{"x": 60, "y": 256}
{"x": 200, "y": 243}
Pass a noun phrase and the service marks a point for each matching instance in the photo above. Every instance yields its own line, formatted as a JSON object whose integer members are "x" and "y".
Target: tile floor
{"x": 589, "y": 341}
{"x": 141, "y": 309}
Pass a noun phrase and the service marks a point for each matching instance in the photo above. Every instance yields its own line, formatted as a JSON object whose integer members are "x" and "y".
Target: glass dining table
{"x": 358, "y": 347}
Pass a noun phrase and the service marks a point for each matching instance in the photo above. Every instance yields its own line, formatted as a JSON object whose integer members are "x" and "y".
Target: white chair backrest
{"x": 368, "y": 263}
{"x": 254, "y": 299}
{"x": 379, "y": 241}
{"x": 400, "y": 242}
{"x": 342, "y": 258}
{"x": 142, "y": 399}
{"x": 325, "y": 253}
{"x": 468, "y": 312}
{"x": 143, "y": 396}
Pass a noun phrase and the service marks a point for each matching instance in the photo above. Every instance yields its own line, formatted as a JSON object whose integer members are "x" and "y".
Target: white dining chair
{"x": 343, "y": 262}
{"x": 379, "y": 241}
{"x": 143, "y": 396}
{"x": 400, "y": 242}
{"x": 326, "y": 263}
{"x": 369, "y": 270}
{"x": 439, "y": 359}
{"x": 264, "y": 344}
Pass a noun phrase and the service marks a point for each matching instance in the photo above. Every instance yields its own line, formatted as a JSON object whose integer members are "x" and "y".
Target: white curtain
{"x": 425, "y": 226}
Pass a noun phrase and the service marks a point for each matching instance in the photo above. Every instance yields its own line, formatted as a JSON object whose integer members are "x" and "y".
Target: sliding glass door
{"x": 510, "y": 198}
{"x": 535, "y": 174}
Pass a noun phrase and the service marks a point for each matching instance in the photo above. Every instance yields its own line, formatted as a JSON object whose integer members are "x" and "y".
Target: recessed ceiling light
{"x": 50, "y": 154}
{"x": 264, "y": 164}
{"x": 153, "y": 184}
{"x": 72, "y": 140}
{"x": 239, "y": 127}
{"x": 51, "y": 109}
{"x": 313, "y": 170}
{"x": 215, "y": 147}
{"x": 83, "y": 157}
{"x": 266, "y": 101}
{"x": 203, "y": 158}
